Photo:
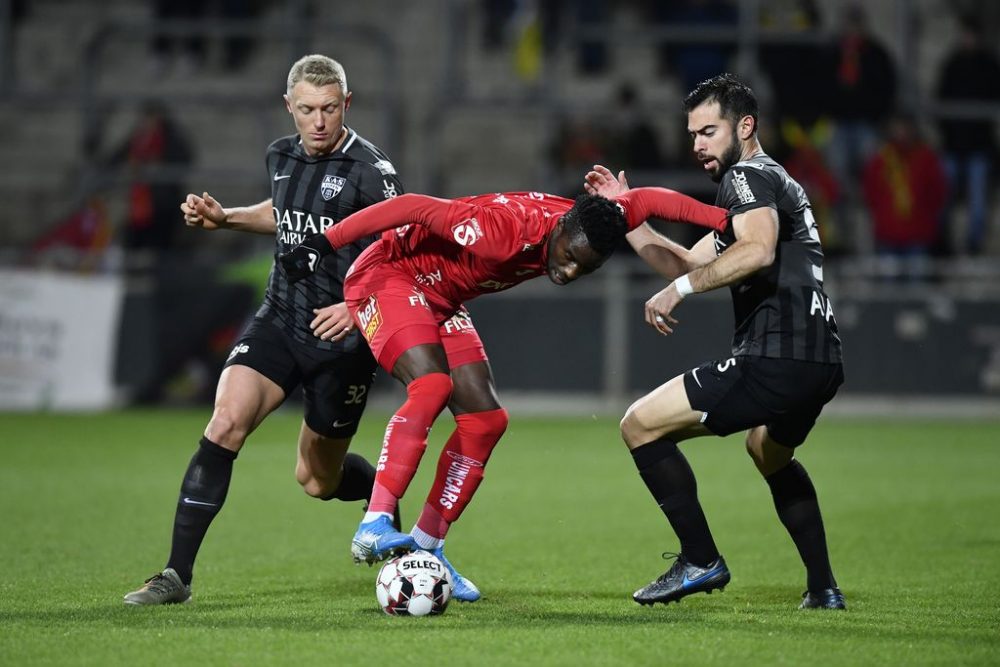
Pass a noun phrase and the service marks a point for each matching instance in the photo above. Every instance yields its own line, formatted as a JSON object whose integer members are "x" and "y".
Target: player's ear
{"x": 288, "y": 103}
{"x": 347, "y": 100}
{"x": 747, "y": 127}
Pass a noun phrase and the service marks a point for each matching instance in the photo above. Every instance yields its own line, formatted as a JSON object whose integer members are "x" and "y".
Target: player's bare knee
{"x": 226, "y": 431}
{"x": 632, "y": 430}
{"x": 318, "y": 488}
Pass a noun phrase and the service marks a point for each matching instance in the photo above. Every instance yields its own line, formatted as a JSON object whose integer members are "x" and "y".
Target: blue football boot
{"x": 378, "y": 539}
{"x": 464, "y": 590}
{"x": 682, "y": 579}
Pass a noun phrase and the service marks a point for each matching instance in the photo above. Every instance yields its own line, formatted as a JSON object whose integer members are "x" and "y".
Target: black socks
{"x": 795, "y": 499}
{"x": 203, "y": 493}
{"x": 669, "y": 478}
{"x": 357, "y": 481}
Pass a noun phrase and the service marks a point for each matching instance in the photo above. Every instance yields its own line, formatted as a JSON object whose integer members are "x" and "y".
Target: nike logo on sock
{"x": 190, "y": 501}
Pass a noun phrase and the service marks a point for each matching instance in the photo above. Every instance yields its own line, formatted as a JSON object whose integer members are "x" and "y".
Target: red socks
{"x": 406, "y": 439}
{"x": 460, "y": 469}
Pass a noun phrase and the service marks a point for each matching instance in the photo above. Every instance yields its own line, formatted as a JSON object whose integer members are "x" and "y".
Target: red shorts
{"x": 393, "y": 314}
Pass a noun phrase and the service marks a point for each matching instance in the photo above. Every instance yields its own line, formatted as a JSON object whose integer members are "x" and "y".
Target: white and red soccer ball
{"x": 414, "y": 584}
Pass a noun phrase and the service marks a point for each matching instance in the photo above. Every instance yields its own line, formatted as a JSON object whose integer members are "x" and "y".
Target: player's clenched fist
{"x": 203, "y": 211}
{"x": 301, "y": 261}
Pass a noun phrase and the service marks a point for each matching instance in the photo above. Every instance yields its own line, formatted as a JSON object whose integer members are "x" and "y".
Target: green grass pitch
{"x": 560, "y": 534}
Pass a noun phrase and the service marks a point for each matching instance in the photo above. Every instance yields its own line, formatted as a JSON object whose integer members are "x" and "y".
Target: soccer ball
{"x": 414, "y": 584}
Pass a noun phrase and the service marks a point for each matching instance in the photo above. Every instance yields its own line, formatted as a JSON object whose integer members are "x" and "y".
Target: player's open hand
{"x": 660, "y": 307}
{"x": 332, "y": 323}
{"x": 600, "y": 181}
{"x": 203, "y": 211}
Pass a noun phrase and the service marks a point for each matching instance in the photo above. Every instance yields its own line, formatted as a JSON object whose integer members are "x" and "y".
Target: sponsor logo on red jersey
{"x": 370, "y": 318}
{"x": 467, "y": 232}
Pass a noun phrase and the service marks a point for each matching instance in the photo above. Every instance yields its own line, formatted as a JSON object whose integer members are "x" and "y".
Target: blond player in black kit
{"x": 785, "y": 363}
{"x": 302, "y": 334}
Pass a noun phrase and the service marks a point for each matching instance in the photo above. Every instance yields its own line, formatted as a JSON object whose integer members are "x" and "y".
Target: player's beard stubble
{"x": 727, "y": 159}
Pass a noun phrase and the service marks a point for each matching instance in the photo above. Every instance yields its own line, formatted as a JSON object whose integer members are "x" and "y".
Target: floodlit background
{"x": 111, "y": 111}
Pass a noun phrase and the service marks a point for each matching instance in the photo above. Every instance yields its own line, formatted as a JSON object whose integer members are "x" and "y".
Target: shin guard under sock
{"x": 203, "y": 493}
{"x": 798, "y": 508}
{"x": 460, "y": 468}
{"x": 406, "y": 438}
{"x": 669, "y": 478}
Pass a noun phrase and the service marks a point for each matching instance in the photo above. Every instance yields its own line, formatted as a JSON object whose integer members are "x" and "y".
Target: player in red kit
{"x": 406, "y": 292}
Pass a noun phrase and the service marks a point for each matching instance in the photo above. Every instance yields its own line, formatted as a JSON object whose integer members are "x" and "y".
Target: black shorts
{"x": 334, "y": 383}
{"x": 739, "y": 393}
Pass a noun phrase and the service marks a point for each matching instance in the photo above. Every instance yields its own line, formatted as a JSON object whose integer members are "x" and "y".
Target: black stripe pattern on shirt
{"x": 309, "y": 195}
{"x": 781, "y": 311}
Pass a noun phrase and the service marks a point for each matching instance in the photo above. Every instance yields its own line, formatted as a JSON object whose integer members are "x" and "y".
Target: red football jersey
{"x": 461, "y": 248}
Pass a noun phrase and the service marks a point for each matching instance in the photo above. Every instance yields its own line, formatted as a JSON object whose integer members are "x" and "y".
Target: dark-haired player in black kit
{"x": 785, "y": 363}
{"x": 302, "y": 334}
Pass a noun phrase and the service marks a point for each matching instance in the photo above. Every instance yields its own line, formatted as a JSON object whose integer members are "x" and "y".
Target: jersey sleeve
{"x": 639, "y": 204}
{"x": 746, "y": 188}
{"x": 473, "y": 227}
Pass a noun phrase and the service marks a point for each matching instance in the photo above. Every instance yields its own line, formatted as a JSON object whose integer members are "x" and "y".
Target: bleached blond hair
{"x": 318, "y": 70}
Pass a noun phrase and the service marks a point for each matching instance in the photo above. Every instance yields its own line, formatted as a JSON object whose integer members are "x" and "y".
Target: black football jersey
{"x": 310, "y": 194}
{"x": 780, "y": 311}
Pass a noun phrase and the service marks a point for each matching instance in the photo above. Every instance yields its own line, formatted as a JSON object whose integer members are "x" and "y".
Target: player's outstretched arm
{"x": 649, "y": 202}
{"x": 430, "y": 212}
{"x": 666, "y": 257}
{"x": 756, "y": 239}
{"x": 643, "y": 203}
{"x": 205, "y": 212}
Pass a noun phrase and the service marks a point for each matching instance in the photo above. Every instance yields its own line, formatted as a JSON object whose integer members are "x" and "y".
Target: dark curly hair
{"x": 735, "y": 98}
{"x": 600, "y": 221}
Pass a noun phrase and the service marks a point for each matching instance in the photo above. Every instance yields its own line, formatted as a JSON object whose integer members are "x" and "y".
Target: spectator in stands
{"x": 905, "y": 188}
{"x": 800, "y": 84}
{"x": 153, "y": 160}
{"x": 533, "y": 30}
{"x": 154, "y": 154}
{"x": 863, "y": 90}
{"x": 77, "y": 242}
{"x": 970, "y": 73}
{"x": 861, "y": 82}
{"x": 803, "y": 160}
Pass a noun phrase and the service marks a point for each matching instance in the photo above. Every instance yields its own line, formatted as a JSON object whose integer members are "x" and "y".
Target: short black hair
{"x": 735, "y": 98}
{"x": 600, "y": 221}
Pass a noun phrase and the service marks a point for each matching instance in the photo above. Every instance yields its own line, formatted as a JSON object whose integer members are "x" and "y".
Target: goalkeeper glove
{"x": 303, "y": 260}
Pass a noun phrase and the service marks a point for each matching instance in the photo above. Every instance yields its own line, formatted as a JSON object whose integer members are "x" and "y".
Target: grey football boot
{"x": 163, "y": 588}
